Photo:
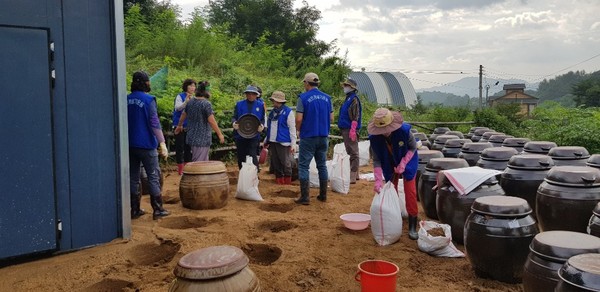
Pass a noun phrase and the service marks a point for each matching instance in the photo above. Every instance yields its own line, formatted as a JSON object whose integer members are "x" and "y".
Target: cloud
{"x": 440, "y": 4}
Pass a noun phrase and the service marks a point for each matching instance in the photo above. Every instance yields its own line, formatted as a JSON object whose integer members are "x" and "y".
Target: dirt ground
{"x": 291, "y": 248}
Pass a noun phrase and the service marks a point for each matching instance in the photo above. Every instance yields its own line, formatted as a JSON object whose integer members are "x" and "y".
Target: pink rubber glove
{"x": 400, "y": 168}
{"x": 378, "y": 173}
{"x": 352, "y": 133}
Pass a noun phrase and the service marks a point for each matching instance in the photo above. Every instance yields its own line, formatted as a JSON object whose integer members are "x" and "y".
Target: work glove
{"x": 352, "y": 133}
{"x": 236, "y": 126}
{"x": 402, "y": 165}
{"x": 378, "y": 173}
{"x": 261, "y": 128}
{"x": 163, "y": 150}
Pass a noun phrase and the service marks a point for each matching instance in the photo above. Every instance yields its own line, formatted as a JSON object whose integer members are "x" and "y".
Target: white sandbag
{"x": 247, "y": 187}
{"x": 439, "y": 246}
{"x": 313, "y": 174}
{"x": 367, "y": 176}
{"x": 402, "y": 198}
{"x": 386, "y": 217}
{"x": 363, "y": 153}
{"x": 340, "y": 173}
{"x": 339, "y": 149}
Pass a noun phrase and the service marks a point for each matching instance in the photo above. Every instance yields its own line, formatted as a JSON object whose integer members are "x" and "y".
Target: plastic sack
{"x": 363, "y": 153}
{"x": 402, "y": 198}
{"x": 247, "y": 187}
{"x": 386, "y": 217}
{"x": 340, "y": 173}
{"x": 439, "y": 246}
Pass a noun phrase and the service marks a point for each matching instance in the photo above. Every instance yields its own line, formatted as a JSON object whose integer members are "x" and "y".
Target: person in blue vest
{"x": 254, "y": 106}
{"x": 281, "y": 138}
{"x": 314, "y": 115}
{"x": 394, "y": 151}
{"x": 183, "y": 151}
{"x": 349, "y": 122}
{"x": 145, "y": 135}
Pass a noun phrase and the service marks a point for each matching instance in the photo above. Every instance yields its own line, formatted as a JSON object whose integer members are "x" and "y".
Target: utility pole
{"x": 487, "y": 89}
{"x": 480, "y": 86}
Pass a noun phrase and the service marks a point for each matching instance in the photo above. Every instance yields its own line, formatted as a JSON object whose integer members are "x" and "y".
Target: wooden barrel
{"x": 204, "y": 185}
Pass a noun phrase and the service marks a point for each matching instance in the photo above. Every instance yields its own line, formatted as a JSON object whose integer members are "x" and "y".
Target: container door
{"x": 27, "y": 193}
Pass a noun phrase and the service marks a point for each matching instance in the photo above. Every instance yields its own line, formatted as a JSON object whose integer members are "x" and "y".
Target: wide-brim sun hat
{"x": 384, "y": 121}
{"x": 350, "y": 82}
{"x": 251, "y": 89}
{"x": 278, "y": 96}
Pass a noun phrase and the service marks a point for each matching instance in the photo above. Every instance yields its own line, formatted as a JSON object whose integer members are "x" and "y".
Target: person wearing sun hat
{"x": 281, "y": 138}
{"x": 349, "y": 122}
{"x": 250, "y": 105}
{"x": 394, "y": 151}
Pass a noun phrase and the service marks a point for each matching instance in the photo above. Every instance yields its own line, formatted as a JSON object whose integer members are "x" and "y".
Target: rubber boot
{"x": 353, "y": 177}
{"x": 287, "y": 180}
{"x": 159, "y": 211}
{"x": 322, "y": 191}
{"x": 412, "y": 227}
{"x": 304, "y": 193}
{"x": 279, "y": 180}
{"x": 180, "y": 168}
{"x": 136, "y": 211}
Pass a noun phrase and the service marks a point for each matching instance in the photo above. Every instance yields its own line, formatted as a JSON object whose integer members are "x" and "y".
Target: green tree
{"x": 587, "y": 92}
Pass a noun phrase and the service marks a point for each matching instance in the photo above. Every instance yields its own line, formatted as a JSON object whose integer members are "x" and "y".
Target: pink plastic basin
{"x": 356, "y": 221}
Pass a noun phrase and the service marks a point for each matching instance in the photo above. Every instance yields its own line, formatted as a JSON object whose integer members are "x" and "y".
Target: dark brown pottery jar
{"x": 580, "y": 273}
{"x": 436, "y": 132}
{"x": 548, "y": 252}
{"x": 566, "y": 197}
{"x": 524, "y": 174}
{"x": 455, "y": 133}
{"x": 440, "y": 140}
{"x": 569, "y": 155}
{"x": 517, "y": 143}
{"x": 594, "y": 225}
{"x": 453, "y": 208}
{"x": 421, "y": 136}
{"x": 477, "y": 134}
{"x": 538, "y": 147}
{"x": 497, "y": 236}
{"x": 472, "y": 151}
{"x": 496, "y": 158}
{"x": 424, "y": 157}
{"x": 428, "y": 179}
{"x": 497, "y": 140}
{"x": 453, "y": 147}
{"x": 486, "y": 136}
{"x": 204, "y": 185}
{"x": 594, "y": 161}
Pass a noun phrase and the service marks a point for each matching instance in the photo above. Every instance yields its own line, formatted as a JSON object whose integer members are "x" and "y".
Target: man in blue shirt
{"x": 314, "y": 115}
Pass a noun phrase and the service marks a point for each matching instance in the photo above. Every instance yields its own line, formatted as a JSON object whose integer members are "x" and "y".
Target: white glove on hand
{"x": 163, "y": 150}
{"x": 236, "y": 126}
{"x": 261, "y": 128}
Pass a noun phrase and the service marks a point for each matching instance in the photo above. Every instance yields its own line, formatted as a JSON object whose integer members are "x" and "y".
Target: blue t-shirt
{"x": 316, "y": 109}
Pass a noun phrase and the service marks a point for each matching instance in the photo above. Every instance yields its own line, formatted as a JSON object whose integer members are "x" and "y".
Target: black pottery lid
{"x": 420, "y": 136}
{"x": 498, "y": 153}
{"x": 531, "y": 161}
{"x": 499, "y": 138}
{"x": 211, "y": 262}
{"x": 441, "y": 139}
{"x": 569, "y": 152}
{"x": 437, "y": 164}
{"x": 248, "y": 126}
{"x": 538, "y": 146}
{"x": 481, "y": 131}
{"x": 455, "y": 133}
{"x": 560, "y": 245}
{"x": 441, "y": 130}
{"x": 597, "y": 210}
{"x": 426, "y": 155}
{"x": 582, "y": 271}
{"x": 473, "y": 129}
{"x": 515, "y": 142}
{"x": 489, "y": 134}
{"x": 476, "y": 147}
{"x": 456, "y": 143}
{"x": 501, "y": 206}
{"x": 594, "y": 161}
{"x": 575, "y": 176}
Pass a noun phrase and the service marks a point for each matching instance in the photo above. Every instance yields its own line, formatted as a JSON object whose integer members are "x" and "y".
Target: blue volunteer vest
{"x": 176, "y": 113}
{"x": 399, "y": 141}
{"x": 283, "y": 130}
{"x": 317, "y": 109}
{"x": 344, "y": 121}
{"x": 257, "y": 109}
{"x": 138, "y": 116}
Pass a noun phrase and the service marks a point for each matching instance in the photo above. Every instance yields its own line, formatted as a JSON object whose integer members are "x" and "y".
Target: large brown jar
{"x": 486, "y": 136}
{"x": 580, "y": 273}
{"x": 569, "y": 155}
{"x": 517, "y": 143}
{"x": 538, "y": 147}
{"x": 524, "y": 174}
{"x": 472, "y": 131}
{"x": 424, "y": 157}
{"x": 453, "y": 147}
{"x": 594, "y": 161}
{"x": 204, "y": 185}
{"x": 594, "y": 224}
{"x": 478, "y": 133}
{"x": 453, "y": 208}
{"x": 428, "y": 179}
{"x": 497, "y": 140}
{"x": 495, "y": 158}
{"x": 472, "y": 151}
{"x": 548, "y": 252}
{"x": 497, "y": 236}
{"x": 440, "y": 140}
{"x": 436, "y": 132}
{"x": 566, "y": 197}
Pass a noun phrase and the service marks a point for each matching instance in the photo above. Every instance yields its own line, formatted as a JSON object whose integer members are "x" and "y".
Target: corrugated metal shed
{"x": 386, "y": 88}
{"x": 365, "y": 85}
{"x": 382, "y": 90}
{"x": 408, "y": 91}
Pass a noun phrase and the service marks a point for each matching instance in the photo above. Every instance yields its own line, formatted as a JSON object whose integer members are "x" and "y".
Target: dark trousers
{"x": 183, "y": 151}
{"x": 246, "y": 147}
{"x": 281, "y": 158}
{"x": 351, "y": 149}
{"x": 149, "y": 159}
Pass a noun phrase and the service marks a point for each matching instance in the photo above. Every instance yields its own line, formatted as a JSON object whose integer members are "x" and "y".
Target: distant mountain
{"x": 470, "y": 86}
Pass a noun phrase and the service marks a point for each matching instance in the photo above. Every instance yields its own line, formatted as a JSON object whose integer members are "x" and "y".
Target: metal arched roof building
{"x": 392, "y": 88}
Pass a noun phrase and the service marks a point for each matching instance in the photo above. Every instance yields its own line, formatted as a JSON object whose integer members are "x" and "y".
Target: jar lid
{"x": 473, "y": 129}
{"x": 501, "y": 206}
{"x": 211, "y": 262}
{"x": 597, "y": 210}
{"x": 476, "y": 147}
{"x": 489, "y": 134}
{"x": 531, "y": 161}
{"x": 459, "y": 134}
{"x": 426, "y": 155}
{"x": 498, "y": 153}
{"x": 481, "y": 131}
{"x": 538, "y": 146}
{"x": 499, "y": 138}
{"x": 515, "y": 142}
{"x": 204, "y": 167}
{"x": 575, "y": 176}
{"x": 455, "y": 143}
{"x": 569, "y": 152}
{"x": 594, "y": 161}
{"x": 441, "y": 139}
{"x": 437, "y": 164}
{"x": 582, "y": 271}
{"x": 441, "y": 130}
{"x": 560, "y": 245}
{"x": 420, "y": 136}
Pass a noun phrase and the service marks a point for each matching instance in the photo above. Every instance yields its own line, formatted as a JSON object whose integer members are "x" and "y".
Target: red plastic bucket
{"x": 377, "y": 276}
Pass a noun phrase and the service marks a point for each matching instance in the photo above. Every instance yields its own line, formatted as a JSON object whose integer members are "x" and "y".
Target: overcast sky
{"x": 433, "y": 41}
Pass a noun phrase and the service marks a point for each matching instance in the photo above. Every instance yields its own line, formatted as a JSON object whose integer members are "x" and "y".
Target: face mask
{"x": 348, "y": 89}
